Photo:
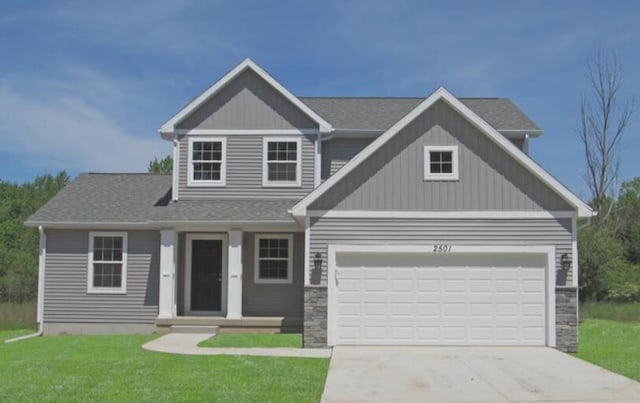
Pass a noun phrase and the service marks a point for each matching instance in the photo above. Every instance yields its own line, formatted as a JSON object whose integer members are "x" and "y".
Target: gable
{"x": 392, "y": 177}
{"x": 247, "y": 102}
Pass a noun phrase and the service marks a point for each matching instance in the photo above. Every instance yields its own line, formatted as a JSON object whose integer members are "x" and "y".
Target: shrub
{"x": 622, "y": 281}
{"x": 598, "y": 250}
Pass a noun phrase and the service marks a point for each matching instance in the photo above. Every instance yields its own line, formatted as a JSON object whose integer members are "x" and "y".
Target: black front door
{"x": 206, "y": 275}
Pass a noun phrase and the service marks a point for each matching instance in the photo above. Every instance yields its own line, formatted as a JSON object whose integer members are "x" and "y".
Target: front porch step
{"x": 193, "y": 329}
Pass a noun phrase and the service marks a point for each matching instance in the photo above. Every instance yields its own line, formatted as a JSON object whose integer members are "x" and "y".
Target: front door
{"x": 205, "y": 275}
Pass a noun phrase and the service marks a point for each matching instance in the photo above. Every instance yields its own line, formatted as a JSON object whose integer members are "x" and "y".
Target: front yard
{"x": 610, "y": 337}
{"x": 116, "y": 368}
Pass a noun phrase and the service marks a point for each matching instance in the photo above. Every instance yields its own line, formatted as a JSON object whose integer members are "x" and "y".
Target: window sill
{"x": 281, "y": 185}
{"x": 206, "y": 184}
{"x": 441, "y": 179}
{"x": 106, "y": 291}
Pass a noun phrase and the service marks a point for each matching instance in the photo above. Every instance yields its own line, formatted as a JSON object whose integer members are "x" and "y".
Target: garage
{"x": 440, "y": 295}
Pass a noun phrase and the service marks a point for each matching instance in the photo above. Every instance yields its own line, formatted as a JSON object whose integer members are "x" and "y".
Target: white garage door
{"x": 438, "y": 299}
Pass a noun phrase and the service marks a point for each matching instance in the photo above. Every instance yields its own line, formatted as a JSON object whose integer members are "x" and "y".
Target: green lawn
{"x": 611, "y": 345}
{"x": 620, "y": 312}
{"x": 116, "y": 368}
{"x": 254, "y": 340}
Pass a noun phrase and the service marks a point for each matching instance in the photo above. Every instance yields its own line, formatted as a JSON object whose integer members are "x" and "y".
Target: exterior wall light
{"x": 565, "y": 261}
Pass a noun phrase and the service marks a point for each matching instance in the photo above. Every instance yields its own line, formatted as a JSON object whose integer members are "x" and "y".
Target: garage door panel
{"x": 420, "y": 298}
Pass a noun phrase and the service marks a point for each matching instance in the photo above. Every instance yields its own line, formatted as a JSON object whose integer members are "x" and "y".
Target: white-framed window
{"x": 274, "y": 259}
{"x": 281, "y": 162}
{"x": 107, "y": 263}
{"x": 207, "y": 161}
{"x": 441, "y": 163}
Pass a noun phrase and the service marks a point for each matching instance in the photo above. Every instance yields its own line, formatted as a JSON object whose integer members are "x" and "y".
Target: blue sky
{"x": 85, "y": 85}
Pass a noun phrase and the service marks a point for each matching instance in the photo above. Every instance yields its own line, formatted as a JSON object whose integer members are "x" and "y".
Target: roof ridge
{"x": 392, "y": 97}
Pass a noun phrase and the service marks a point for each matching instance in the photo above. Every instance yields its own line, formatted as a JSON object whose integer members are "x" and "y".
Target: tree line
{"x": 18, "y": 243}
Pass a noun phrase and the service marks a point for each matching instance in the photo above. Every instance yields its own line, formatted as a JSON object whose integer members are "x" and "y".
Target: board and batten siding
{"x": 337, "y": 152}
{"x": 244, "y": 171}
{"x": 392, "y": 178}
{"x": 65, "y": 295}
{"x": 248, "y": 102}
{"x": 285, "y": 300}
{"x": 344, "y": 231}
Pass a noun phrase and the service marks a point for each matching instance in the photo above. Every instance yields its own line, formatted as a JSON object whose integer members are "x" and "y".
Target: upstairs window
{"x": 441, "y": 163}
{"x": 274, "y": 255}
{"x": 207, "y": 161}
{"x": 281, "y": 162}
{"x": 107, "y": 263}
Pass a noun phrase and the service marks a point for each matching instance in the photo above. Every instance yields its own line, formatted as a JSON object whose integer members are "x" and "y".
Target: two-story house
{"x": 352, "y": 220}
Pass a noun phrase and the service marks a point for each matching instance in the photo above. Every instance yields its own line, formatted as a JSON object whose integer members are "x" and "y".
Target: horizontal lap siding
{"x": 66, "y": 298}
{"x": 392, "y": 178}
{"x": 249, "y": 103}
{"x": 244, "y": 171}
{"x": 325, "y": 231}
{"x": 272, "y": 299}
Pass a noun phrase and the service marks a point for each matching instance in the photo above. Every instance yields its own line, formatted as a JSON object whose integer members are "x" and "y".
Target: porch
{"x": 221, "y": 278}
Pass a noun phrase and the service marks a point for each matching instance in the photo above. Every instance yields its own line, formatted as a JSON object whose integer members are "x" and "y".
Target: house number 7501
{"x": 442, "y": 248}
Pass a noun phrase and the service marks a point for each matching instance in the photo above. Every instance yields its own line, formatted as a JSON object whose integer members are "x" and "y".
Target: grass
{"x": 628, "y": 312}
{"x": 254, "y": 340}
{"x": 116, "y": 368}
{"x": 17, "y": 316}
{"x": 611, "y": 345}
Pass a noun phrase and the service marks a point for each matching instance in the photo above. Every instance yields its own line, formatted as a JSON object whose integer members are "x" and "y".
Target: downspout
{"x": 40, "y": 303}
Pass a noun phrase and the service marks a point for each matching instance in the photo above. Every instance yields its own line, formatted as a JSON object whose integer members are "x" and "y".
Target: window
{"x": 207, "y": 161}
{"x": 273, "y": 259}
{"x": 441, "y": 163}
{"x": 281, "y": 162}
{"x": 107, "y": 262}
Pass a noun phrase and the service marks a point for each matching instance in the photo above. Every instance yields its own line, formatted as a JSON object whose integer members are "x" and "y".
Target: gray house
{"x": 378, "y": 221}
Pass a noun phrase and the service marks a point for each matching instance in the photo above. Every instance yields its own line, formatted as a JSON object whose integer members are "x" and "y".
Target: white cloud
{"x": 65, "y": 132}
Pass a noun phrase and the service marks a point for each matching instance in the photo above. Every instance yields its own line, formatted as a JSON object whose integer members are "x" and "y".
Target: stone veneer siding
{"x": 567, "y": 319}
{"x": 315, "y": 316}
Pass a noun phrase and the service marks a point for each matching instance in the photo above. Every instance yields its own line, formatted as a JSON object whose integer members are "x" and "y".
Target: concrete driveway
{"x": 470, "y": 374}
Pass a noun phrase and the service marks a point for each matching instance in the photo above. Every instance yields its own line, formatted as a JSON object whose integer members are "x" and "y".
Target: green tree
{"x": 19, "y": 244}
{"x": 163, "y": 166}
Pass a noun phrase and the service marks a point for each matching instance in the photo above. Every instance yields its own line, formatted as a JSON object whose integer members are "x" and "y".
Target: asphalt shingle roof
{"x": 146, "y": 198}
{"x": 105, "y": 198}
{"x": 381, "y": 113}
{"x": 258, "y": 210}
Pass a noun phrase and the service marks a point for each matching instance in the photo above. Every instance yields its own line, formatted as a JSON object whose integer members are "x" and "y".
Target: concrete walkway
{"x": 470, "y": 374}
{"x": 187, "y": 344}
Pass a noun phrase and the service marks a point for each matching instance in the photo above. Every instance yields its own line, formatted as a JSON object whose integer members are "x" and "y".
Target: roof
{"x": 583, "y": 210}
{"x": 373, "y": 113}
{"x": 225, "y": 210}
{"x": 247, "y": 64}
{"x": 144, "y": 199}
{"x": 105, "y": 198}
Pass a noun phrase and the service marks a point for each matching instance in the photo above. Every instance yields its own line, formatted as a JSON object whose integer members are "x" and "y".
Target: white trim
{"x": 317, "y": 162}
{"x": 256, "y": 270}
{"x": 167, "y": 286}
{"x": 189, "y": 238}
{"x": 265, "y": 172}
{"x": 430, "y": 176}
{"x": 176, "y": 170}
{"x": 307, "y": 250}
{"x": 123, "y": 282}
{"x": 574, "y": 252}
{"x": 222, "y": 225}
{"x": 247, "y": 132}
{"x": 234, "y": 280}
{"x": 223, "y": 163}
{"x": 42, "y": 256}
{"x": 170, "y": 125}
{"x": 442, "y": 94}
{"x": 428, "y": 248}
{"x": 454, "y": 214}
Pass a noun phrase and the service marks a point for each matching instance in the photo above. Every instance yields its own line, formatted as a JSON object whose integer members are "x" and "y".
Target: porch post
{"x": 234, "y": 281}
{"x": 167, "y": 274}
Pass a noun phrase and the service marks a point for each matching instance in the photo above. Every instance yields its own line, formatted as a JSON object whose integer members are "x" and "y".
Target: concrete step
{"x": 193, "y": 329}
